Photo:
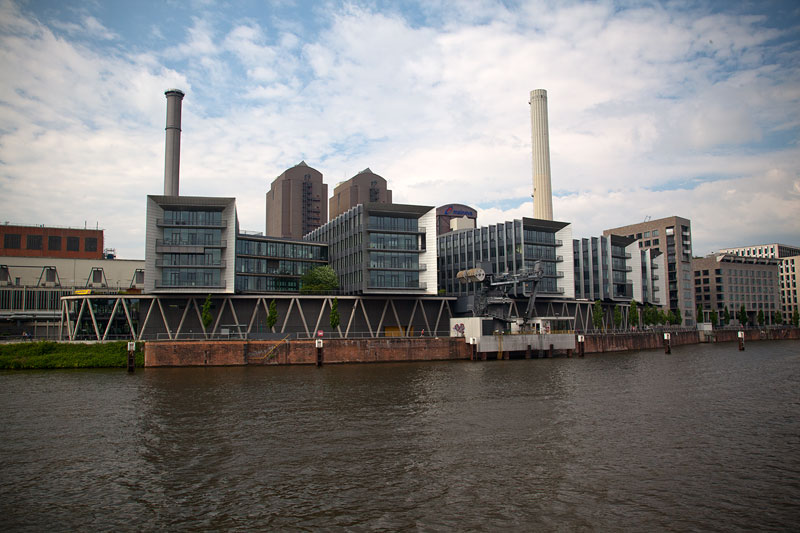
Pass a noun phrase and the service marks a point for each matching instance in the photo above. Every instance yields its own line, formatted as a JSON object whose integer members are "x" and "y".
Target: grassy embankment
{"x": 29, "y": 355}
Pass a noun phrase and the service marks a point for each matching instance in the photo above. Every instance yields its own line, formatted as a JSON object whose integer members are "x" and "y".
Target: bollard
{"x": 131, "y": 356}
{"x": 581, "y": 340}
{"x": 528, "y": 352}
{"x": 741, "y": 341}
{"x": 319, "y": 352}
{"x": 667, "y": 348}
{"x": 550, "y": 351}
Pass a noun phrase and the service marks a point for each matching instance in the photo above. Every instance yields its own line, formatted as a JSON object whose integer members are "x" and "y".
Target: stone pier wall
{"x": 232, "y": 353}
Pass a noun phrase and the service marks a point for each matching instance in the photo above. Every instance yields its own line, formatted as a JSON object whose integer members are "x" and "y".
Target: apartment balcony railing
{"x": 419, "y": 285}
{"x": 378, "y": 227}
{"x": 160, "y": 263}
{"x": 189, "y": 285}
{"x": 177, "y": 242}
{"x": 176, "y": 223}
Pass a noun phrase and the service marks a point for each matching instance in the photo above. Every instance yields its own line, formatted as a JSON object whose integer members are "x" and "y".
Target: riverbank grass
{"x": 33, "y": 355}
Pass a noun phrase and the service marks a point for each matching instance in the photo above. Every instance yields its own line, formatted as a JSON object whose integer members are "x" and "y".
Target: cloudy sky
{"x": 656, "y": 109}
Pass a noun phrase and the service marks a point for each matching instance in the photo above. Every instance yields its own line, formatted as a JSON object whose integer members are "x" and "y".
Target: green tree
{"x": 726, "y": 316}
{"x": 597, "y": 315}
{"x": 205, "y": 312}
{"x": 760, "y": 317}
{"x": 713, "y": 317}
{"x": 777, "y": 317}
{"x": 700, "y": 313}
{"x": 318, "y": 280}
{"x": 677, "y": 319}
{"x": 668, "y": 318}
{"x": 634, "y": 314}
{"x": 795, "y": 318}
{"x": 742, "y": 316}
{"x": 617, "y": 317}
{"x": 272, "y": 316}
{"x": 335, "y": 313}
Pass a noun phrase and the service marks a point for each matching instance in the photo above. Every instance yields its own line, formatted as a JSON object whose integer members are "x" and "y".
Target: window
{"x": 90, "y": 244}
{"x": 34, "y": 242}
{"x": 54, "y": 243}
{"x": 11, "y": 240}
{"x": 73, "y": 244}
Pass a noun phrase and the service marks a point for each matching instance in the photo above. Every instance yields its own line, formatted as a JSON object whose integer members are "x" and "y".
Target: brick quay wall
{"x": 384, "y": 350}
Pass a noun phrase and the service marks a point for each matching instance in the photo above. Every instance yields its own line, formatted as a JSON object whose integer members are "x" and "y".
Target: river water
{"x": 704, "y": 439}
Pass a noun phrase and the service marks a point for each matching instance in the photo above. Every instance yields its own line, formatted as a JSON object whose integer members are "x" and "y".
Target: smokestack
{"x": 540, "y": 141}
{"x": 172, "y": 154}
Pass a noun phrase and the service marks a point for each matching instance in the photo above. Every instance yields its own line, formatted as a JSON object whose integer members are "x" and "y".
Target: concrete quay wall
{"x": 239, "y": 353}
{"x": 620, "y": 342}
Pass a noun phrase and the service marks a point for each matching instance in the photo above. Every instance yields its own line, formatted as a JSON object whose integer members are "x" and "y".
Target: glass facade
{"x": 265, "y": 265}
{"x": 193, "y": 218}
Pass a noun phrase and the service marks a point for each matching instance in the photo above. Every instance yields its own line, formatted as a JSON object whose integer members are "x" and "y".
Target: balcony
{"x": 420, "y": 286}
{"x": 177, "y": 224}
{"x": 381, "y": 229}
{"x": 189, "y": 285}
{"x": 160, "y": 263}
{"x": 175, "y": 243}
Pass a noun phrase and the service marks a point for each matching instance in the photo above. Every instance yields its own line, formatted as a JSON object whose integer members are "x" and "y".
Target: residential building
{"x": 379, "y": 248}
{"x": 511, "y": 247}
{"x": 789, "y": 268}
{"x": 296, "y": 202}
{"x": 50, "y": 241}
{"x": 613, "y": 268}
{"x": 788, "y": 277}
{"x": 447, "y": 213}
{"x": 366, "y": 187}
{"x": 673, "y": 237}
{"x": 190, "y": 244}
{"x": 727, "y": 280}
{"x": 270, "y": 264}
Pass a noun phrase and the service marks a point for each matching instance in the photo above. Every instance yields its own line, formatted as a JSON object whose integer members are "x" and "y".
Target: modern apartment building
{"x": 788, "y": 270}
{"x": 269, "y": 264}
{"x": 673, "y": 237}
{"x": 366, "y": 187}
{"x": 511, "y": 247}
{"x": 190, "y": 244}
{"x": 378, "y": 248}
{"x": 614, "y": 268}
{"x": 296, "y": 202}
{"x": 727, "y": 280}
{"x": 50, "y": 241}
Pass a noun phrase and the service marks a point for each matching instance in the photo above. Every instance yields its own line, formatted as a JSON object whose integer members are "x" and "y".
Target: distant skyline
{"x": 684, "y": 108}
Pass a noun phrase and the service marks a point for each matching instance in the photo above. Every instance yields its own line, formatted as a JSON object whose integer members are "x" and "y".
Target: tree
{"x": 742, "y": 315}
{"x": 713, "y": 317}
{"x": 795, "y": 318}
{"x": 318, "y": 280}
{"x": 726, "y": 316}
{"x": 668, "y": 318}
{"x": 777, "y": 317}
{"x": 335, "y": 313}
{"x": 677, "y": 319}
{"x": 700, "y": 313}
{"x": 760, "y": 317}
{"x": 272, "y": 316}
{"x": 634, "y": 314}
{"x": 617, "y": 317}
{"x": 597, "y": 315}
{"x": 205, "y": 312}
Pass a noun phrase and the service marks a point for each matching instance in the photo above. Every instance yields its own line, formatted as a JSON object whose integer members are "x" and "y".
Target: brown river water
{"x": 704, "y": 439}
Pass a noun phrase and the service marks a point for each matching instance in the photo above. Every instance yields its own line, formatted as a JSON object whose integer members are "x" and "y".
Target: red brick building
{"x": 43, "y": 241}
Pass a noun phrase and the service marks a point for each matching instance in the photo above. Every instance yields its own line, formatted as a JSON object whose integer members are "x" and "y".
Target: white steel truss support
{"x": 164, "y": 318}
{"x": 128, "y": 317}
{"x": 94, "y": 320}
{"x": 111, "y": 319}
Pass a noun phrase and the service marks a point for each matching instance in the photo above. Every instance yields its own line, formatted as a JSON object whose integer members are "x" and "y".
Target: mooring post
{"x": 667, "y": 348}
{"x": 581, "y": 340}
{"x": 319, "y": 352}
{"x": 741, "y": 341}
{"x": 131, "y": 356}
{"x": 528, "y": 352}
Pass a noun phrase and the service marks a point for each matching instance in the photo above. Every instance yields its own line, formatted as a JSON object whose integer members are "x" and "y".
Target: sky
{"x": 656, "y": 109}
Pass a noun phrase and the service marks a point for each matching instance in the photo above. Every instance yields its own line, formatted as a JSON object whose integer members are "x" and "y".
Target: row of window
{"x": 281, "y": 249}
{"x": 193, "y": 218}
{"x": 13, "y": 241}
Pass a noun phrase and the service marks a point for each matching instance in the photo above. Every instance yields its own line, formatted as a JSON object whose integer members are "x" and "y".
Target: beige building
{"x": 788, "y": 267}
{"x": 296, "y": 202}
{"x": 366, "y": 187}
{"x": 671, "y": 236}
{"x": 727, "y": 280}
